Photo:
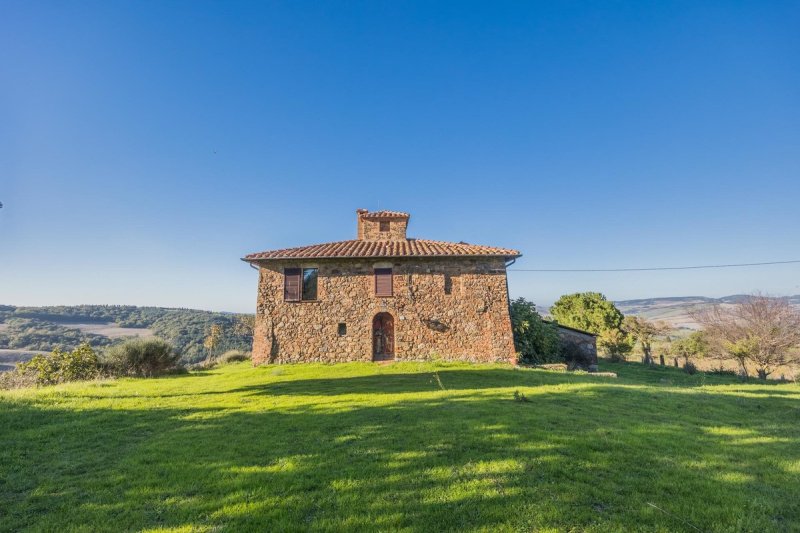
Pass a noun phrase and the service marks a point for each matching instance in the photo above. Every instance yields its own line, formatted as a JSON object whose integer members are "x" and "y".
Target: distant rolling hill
{"x": 676, "y": 310}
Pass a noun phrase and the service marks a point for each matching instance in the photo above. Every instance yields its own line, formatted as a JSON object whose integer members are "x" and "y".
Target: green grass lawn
{"x": 413, "y": 447}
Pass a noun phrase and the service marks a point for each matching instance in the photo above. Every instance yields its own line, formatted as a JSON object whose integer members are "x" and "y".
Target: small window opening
{"x": 384, "y": 225}
{"x": 448, "y": 284}
{"x": 342, "y": 329}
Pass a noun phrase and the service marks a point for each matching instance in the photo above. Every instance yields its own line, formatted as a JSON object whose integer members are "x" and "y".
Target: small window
{"x": 383, "y": 282}
{"x": 342, "y": 329}
{"x": 448, "y": 284}
{"x": 310, "y": 283}
{"x": 299, "y": 284}
{"x": 384, "y": 225}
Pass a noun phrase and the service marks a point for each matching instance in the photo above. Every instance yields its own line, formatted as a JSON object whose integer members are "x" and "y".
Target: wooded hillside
{"x": 47, "y": 328}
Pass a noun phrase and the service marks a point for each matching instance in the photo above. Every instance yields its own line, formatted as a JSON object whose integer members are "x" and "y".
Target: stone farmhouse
{"x": 383, "y": 296}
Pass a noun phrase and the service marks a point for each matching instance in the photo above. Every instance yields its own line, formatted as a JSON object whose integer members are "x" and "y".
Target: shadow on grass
{"x": 574, "y": 458}
{"x": 463, "y": 379}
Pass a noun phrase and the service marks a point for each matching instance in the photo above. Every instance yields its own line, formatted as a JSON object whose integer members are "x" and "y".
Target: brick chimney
{"x": 382, "y": 225}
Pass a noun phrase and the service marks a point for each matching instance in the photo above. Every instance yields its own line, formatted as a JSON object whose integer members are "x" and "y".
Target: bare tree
{"x": 759, "y": 330}
{"x": 212, "y": 341}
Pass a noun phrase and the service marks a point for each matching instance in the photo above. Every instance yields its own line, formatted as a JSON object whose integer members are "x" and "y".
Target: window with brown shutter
{"x": 291, "y": 284}
{"x": 383, "y": 282}
{"x": 300, "y": 284}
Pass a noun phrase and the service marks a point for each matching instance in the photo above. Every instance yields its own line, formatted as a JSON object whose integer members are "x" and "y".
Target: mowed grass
{"x": 403, "y": 447}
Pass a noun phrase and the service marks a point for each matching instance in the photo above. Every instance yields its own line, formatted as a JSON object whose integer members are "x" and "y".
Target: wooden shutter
{"x": 291, "y": 284}
{"x": 383, "y": 282}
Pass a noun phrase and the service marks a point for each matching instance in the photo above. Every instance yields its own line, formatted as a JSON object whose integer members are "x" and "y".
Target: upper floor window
{"x": 448, "y": 283}
{"x": 310, "y": 283}
{"x": 384, "y": 225}
{"x": 383, "y": 282}
{"x": 299, "y": 284}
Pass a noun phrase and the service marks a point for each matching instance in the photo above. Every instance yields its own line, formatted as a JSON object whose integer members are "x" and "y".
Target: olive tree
{"x": 695, "y": 346}
{"x": 644, "y": 331}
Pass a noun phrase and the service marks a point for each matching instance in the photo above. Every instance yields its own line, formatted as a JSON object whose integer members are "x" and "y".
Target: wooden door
{"x": 382, "y": 337}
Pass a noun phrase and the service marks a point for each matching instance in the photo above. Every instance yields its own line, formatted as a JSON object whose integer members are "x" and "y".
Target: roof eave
{"x": 562, "y": 326}
{"x": 307, "y": 258}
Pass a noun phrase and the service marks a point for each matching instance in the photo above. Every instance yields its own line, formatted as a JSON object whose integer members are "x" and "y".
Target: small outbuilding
{"x": 582, "y": 342}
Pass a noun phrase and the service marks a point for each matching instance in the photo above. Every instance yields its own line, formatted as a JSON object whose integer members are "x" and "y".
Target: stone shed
{"x": 582, "y": 341}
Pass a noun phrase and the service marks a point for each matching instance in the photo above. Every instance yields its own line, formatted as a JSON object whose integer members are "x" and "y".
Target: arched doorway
{"x": 382, "y": 337}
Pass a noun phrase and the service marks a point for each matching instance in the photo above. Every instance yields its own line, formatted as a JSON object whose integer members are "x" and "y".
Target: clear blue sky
{"x": 146, "y": 146}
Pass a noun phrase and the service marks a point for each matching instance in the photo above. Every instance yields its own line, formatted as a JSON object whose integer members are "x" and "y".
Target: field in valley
{"x": 407, "y": 447}
{"x": 10, "y": 358}
{"x": 107, "y": 329}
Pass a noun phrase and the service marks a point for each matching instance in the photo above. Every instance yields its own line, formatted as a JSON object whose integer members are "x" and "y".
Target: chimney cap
{"x": 382, "y": 214}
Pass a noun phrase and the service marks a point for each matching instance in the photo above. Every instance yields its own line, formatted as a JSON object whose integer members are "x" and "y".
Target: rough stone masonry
{"x": 383, "y": 296}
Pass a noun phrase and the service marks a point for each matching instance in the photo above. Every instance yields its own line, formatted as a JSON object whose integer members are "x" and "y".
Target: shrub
{"x": 17, "y": 380}
{"x": 56, "y": 367}
{"x": 690, "y": 368}
{"x": 142, "y": 357}
{"x": 724, "y": 372}
{"x": 233, "y": 356}
{"x": 535, "y": 340}
{"x": 520, "y": 397}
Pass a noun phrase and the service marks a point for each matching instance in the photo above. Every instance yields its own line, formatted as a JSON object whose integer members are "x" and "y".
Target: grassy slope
{"x": 360, "y": 446}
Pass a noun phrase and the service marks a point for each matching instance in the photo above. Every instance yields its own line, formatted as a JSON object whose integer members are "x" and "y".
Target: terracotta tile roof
{"x": 362, "y": 248}
{"x": 384, "y": 214}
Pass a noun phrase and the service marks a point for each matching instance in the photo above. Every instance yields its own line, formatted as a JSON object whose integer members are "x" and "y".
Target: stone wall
{"x": 471, "y": 323}
{"x": 585, "y": 342}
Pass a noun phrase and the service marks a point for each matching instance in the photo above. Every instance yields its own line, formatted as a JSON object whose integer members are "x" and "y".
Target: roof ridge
{"x": 356, "y": 248}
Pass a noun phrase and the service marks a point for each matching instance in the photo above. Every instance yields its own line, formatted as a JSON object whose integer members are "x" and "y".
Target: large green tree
{"x": 592, "y": 312}
{"x": 589, "y": 311}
